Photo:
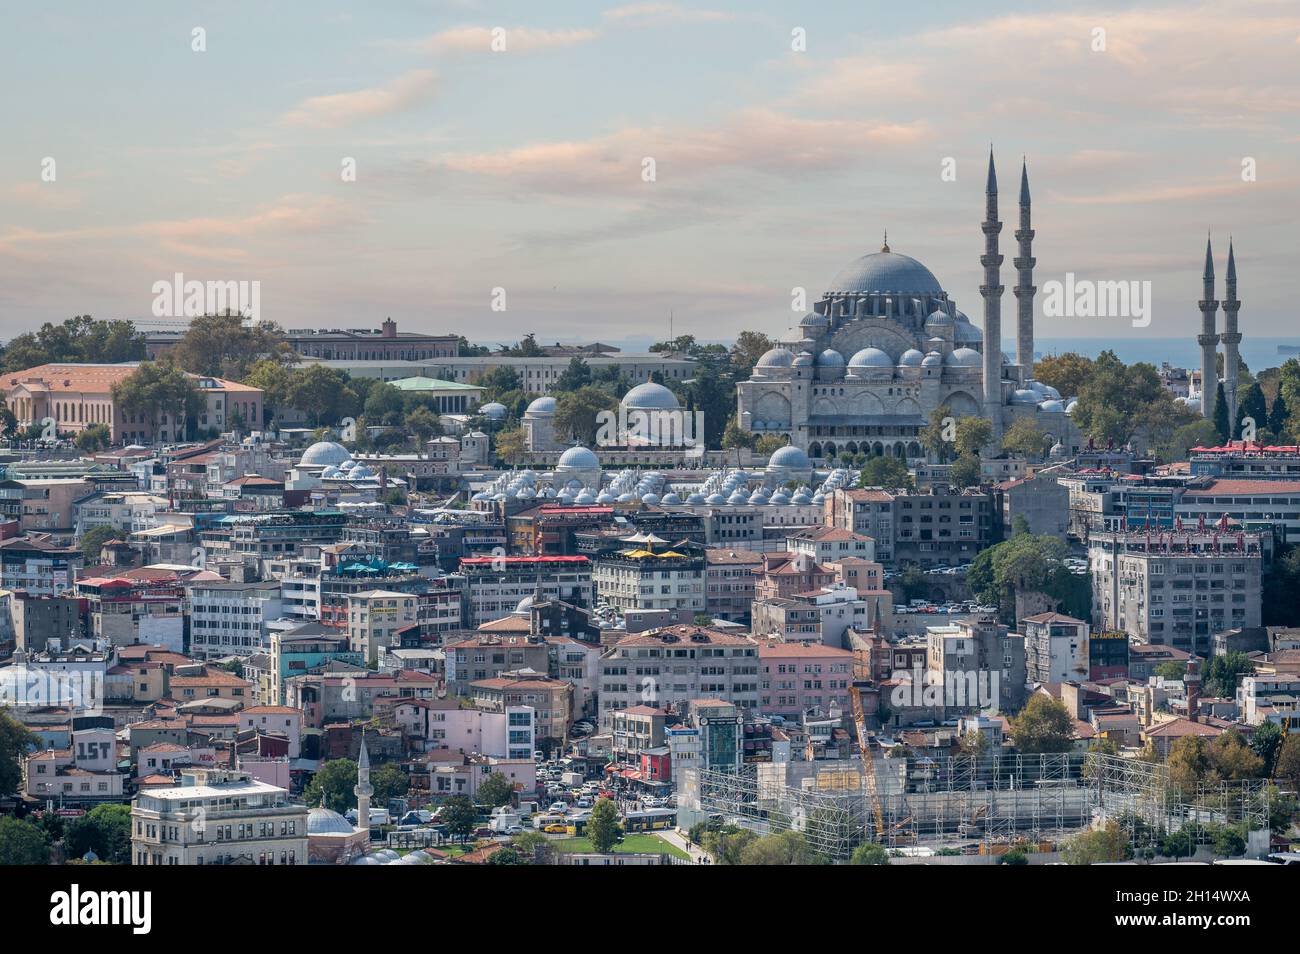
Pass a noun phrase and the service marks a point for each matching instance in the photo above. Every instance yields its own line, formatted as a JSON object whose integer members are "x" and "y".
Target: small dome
{"x": 1058, "y": 450}
{"x": 695, "y": 499}
{"x": 963, "y": 358}
{"x": 652, "y": 397}
{"x": 578, "y": 458}
{"x": 1052, "y": 406}
{"x": 780, "y": 497}
{"x": 791, "y": 457}
{"x": 1069, "y": 408}
{"x": 932, "y": 360}
{"x": 671, "y": 499}
{"x": 323, "y": 453}
{"x": 776, "y": 358}
{"x": 360, "y": 472}
{"x": 1025, "y": 396}
{"x": 715, "y": 500}
{"x": 605, "y": 497}
{"x": 584, "y": 498}
{"x": 803, "y": 359}
{"x": 939, "y": 316}
{"x": 542, "y": 405}
{"x": 801, "y": 499}
{"x": 830, "y": 358}
{"x": 871, "y": 358}
{"x": 651, "y": 498}
{"x": 738, "y": 497}
{"x": 324, "y": 821}
{"x": 758, "y": 498}
{"x": 911, "y": 358}
{"x": 493, "y": 411}
{"x": 525, "y": 605}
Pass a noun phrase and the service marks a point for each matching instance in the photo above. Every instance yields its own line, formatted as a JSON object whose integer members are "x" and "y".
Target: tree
{"x": 94, "y": 437}
{"x": 159, "y": 389}
{"x": 389, "y": 781}
{"x": 324, "y": 394}
{"x": 1015, "y": 857}
{"x": 603, "y": 827}
{"x": 495, "y": 790}
{"x": 1266, "y": 740}
{"x": 1199, "y": 433}
{"x": 749, "y": 347}
{"x": 226, "y": 346}
{"x": 1188, "y": 763}
{"x": 1116, "y": 400}
{"x": 1251, "y": 404}
{"x": 782, "y": 848}
{"x": 1222, "y": 425}
{"x": 15, "y": 741}
{"x": 769, "y": 444}
{"x": 530, "y": 844}
{"x": 1098, "y": 846}
{"x": 726, "y": 845}
{"x": 576, "y": 376}
{"x": 105, "y": 830}
{"x": 869, "y": 853}
{"x": 1026, "y": 563}
{"x": 81, "y": 339}
{"x": 938, "y": 436}
{"x": 966, "y": 471}
{"x": 423, "y": 423}
{"x": 509, "y": 855}
{"x": 1025, "y": 438}
{"x": 1043, "y": 725}
{"x": 1066, "y": 372}
{"x": 22, "y": 843}
{"x": 93, "y": 540}
{"x": 1222, "y": 673}
{"x": 512, "y": 445}
{"x": 886, "y": 472}
{"x": 973, "y": 435}
{"x": 459, "y": 816}
{"x": 1279, "y": 415}
{"x": 733, "y": 436}
{"x": 1288, "y": 761}
{"x": 1228, "y": 841}
{"x": 384, "y": 405}
{"x": 333, "y": 786}
{"x": 1232, "y": 758}
{"x": 577, "y": 413}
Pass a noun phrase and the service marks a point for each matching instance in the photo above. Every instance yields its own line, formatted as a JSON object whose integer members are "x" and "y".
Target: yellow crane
{"x": 868, "y": 761}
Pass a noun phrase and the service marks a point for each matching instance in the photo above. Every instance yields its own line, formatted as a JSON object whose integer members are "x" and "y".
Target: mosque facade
{"x": 886, "y": 346}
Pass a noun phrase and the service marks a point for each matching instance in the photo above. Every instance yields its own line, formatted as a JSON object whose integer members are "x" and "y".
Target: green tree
{"x": 384, "y": 405}
{"x": 939, "y": 435}
{"x": 886, "y": 472}
{"x": 323, "y": 394}
{"x": 333, "y": 786}
{"x": 389, "y": 782}
{"x": 1043, "y": 725}
{"x": 1015, "y": 857}
{"x": 460, "y": 817}
{"x": 577, "y": 413}
{"x": 1025, "y": 438}
{"x": 973, "y": 435}
{"x": 511, "y": 445}
{"x": 869, "y": 853}
{"x": 1198, "y": 433}
{"x": 22, "y": 843}
{"x": 965, "y": 472}
{"x": 95, "y": 437}
{"x": 508, "y": 855}
{"x": 749, "y": 347}
{"x": 575, "y": 377}
{"x": 495, "y": 790}
{"x": 159, "y": 389}
{"x": 1250, "y": 403}
{"x": 227, "y": 346}
{"x": 1279, "y": 415}
{"x": 81, "y": 339}
{"x": 782, "y": 848}
{"x": 1288, "y": 761}
{"x": 1066, "y": 372}
{"x": 1266, "y": 740}
{"x": 15, "y": 742}
{"x": 769, "y": 444}
{"x": 93, "y": 540}
{"x": 1232, "y": 758}
{"x": 1100, "y": 845}
{"x": 105, "y": 830}
{"x": 423, "y": 423}
{"x": 1222, "y": 673}
{"x": 1222, "y": 426}
{"x": 1228, "y": 841}
{"x": 727, "y": 845}
{"x": 603, "y": 827}
{"x": 1188, "y": 764}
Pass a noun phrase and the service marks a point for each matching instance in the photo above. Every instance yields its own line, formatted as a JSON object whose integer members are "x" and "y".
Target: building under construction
{"x": 985, "y": 802}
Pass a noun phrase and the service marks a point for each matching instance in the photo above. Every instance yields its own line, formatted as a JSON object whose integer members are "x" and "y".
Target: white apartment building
{"x": 217, "y": 817}
{"x": 375, "y": 617}
{"x": 128, "y": 511}
{"x": 230, "y": 619}
{"x": 1056, "y": 648}
{"x": 637, "y": 578}
{"x": 1263, "y": 699}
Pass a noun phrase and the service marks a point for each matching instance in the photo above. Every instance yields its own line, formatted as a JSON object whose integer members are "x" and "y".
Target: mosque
{"x": 886, "y": 345}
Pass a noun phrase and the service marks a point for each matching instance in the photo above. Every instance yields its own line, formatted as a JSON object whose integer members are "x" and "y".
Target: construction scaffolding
{"x": 984, "y": 803}
{"x": 1147, "y": 803}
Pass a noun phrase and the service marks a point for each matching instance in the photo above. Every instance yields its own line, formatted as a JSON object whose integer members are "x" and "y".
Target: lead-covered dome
{"x": 651, "y": 397}
{"x": 776, "y": 358}
{"x": 324, "y": 454}
{"x": 964, "y": 358}
{"x": 578, "y": 458}
{"x": 789, "y": 456}
{"x": 542, "y": 405}
{"x": 324, "y": 821}
{"x": 881, "y": 272}
{"x": 871, "y": 358}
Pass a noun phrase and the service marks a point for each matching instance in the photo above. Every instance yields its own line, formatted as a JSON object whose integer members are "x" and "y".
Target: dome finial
{"x": 885, "y": 246}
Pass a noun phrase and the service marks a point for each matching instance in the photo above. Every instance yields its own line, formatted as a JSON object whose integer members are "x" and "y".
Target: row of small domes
{"x": 870, "y": 358}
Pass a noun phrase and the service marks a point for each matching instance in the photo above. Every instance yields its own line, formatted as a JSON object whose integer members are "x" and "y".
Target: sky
{"x": 775, "y": 162}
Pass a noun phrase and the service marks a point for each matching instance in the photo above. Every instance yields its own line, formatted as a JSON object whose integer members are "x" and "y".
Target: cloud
{"x": 343, "y": 109}
{"x": 476, "y": 39}
{"x": 658, "y": 13}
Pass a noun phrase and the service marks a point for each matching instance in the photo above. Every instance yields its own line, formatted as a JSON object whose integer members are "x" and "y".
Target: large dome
{"x": 886, "y": 272}
{"x": 789, "y": 456}
{"x": 651, "y": 397}
{"x": 323, "y": 821}
{"x": 578, "y": 458}
{"x": 542, "y": 405}
{"x": 325, "y": 453}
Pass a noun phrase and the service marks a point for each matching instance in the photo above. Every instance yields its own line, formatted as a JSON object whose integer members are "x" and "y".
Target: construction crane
{"x": 868, "y": 761}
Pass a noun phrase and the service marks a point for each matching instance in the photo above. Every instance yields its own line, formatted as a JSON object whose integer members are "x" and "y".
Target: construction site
{"x": 980, "y": 804}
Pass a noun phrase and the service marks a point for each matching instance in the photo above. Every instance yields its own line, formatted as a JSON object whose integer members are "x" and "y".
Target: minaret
{"x": 363, "y": 790}
{"x": 991, "y": 290}
{"x": 1231, "y": 337}
{"x": 1025, "y": 289}
{"x": 1207, "y": 339}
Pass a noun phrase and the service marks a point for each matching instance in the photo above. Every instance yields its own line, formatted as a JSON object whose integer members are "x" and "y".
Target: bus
{"x": 651, "y": 819}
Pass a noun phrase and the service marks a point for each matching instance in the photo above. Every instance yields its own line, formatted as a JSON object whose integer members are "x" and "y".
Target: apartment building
{"x": 495, "y": 586}
{"x": 550, "y": 699}
{"x": 230, "y": 619}
{"x": 652, "y": 575}
{"x": 729, "y": 577}
{"x": 376, "y": 618}
{"x": 1056, "y": 648}
{"x": 931, "y": 528}
{"x": 798, "y": 678}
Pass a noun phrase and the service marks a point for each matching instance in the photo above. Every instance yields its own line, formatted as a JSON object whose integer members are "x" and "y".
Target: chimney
{"x": 1192, "y": 680}
{"x": 389, "y": 328}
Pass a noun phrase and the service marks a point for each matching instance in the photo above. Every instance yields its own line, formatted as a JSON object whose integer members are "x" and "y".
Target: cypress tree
{"x": 1221, "y": 422}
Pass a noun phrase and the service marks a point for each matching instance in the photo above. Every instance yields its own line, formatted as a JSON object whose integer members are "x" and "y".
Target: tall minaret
{"x": 1231, "y": 337}
{"x": 1207, "y": 339}
{"x": 991, "y": 290}
{"x": 363, "y": 789}
{"x": 1025, "y": 289}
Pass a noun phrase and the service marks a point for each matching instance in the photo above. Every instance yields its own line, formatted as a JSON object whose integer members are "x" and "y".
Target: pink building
{"x": 795, "y": 678}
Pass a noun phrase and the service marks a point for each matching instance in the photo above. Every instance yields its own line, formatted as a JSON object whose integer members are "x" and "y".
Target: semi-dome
{"x": 652, "y": 397}
{"x": 964, "y": 358}
{"x": 324, "y": 821}
{"x": 542, "y": 405}
{"x": 965, "y": 333}
{"x": 911, "y": 358}
{"x": 776, "y": 358}
{"x": 939, "y": 316}
{"x": 886, "y": 272}
{"x": 871, "y": 358}
{"x": 789, "y": 456}
{"x": 325, "y": 453}
{"x": 578, "y": 458}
